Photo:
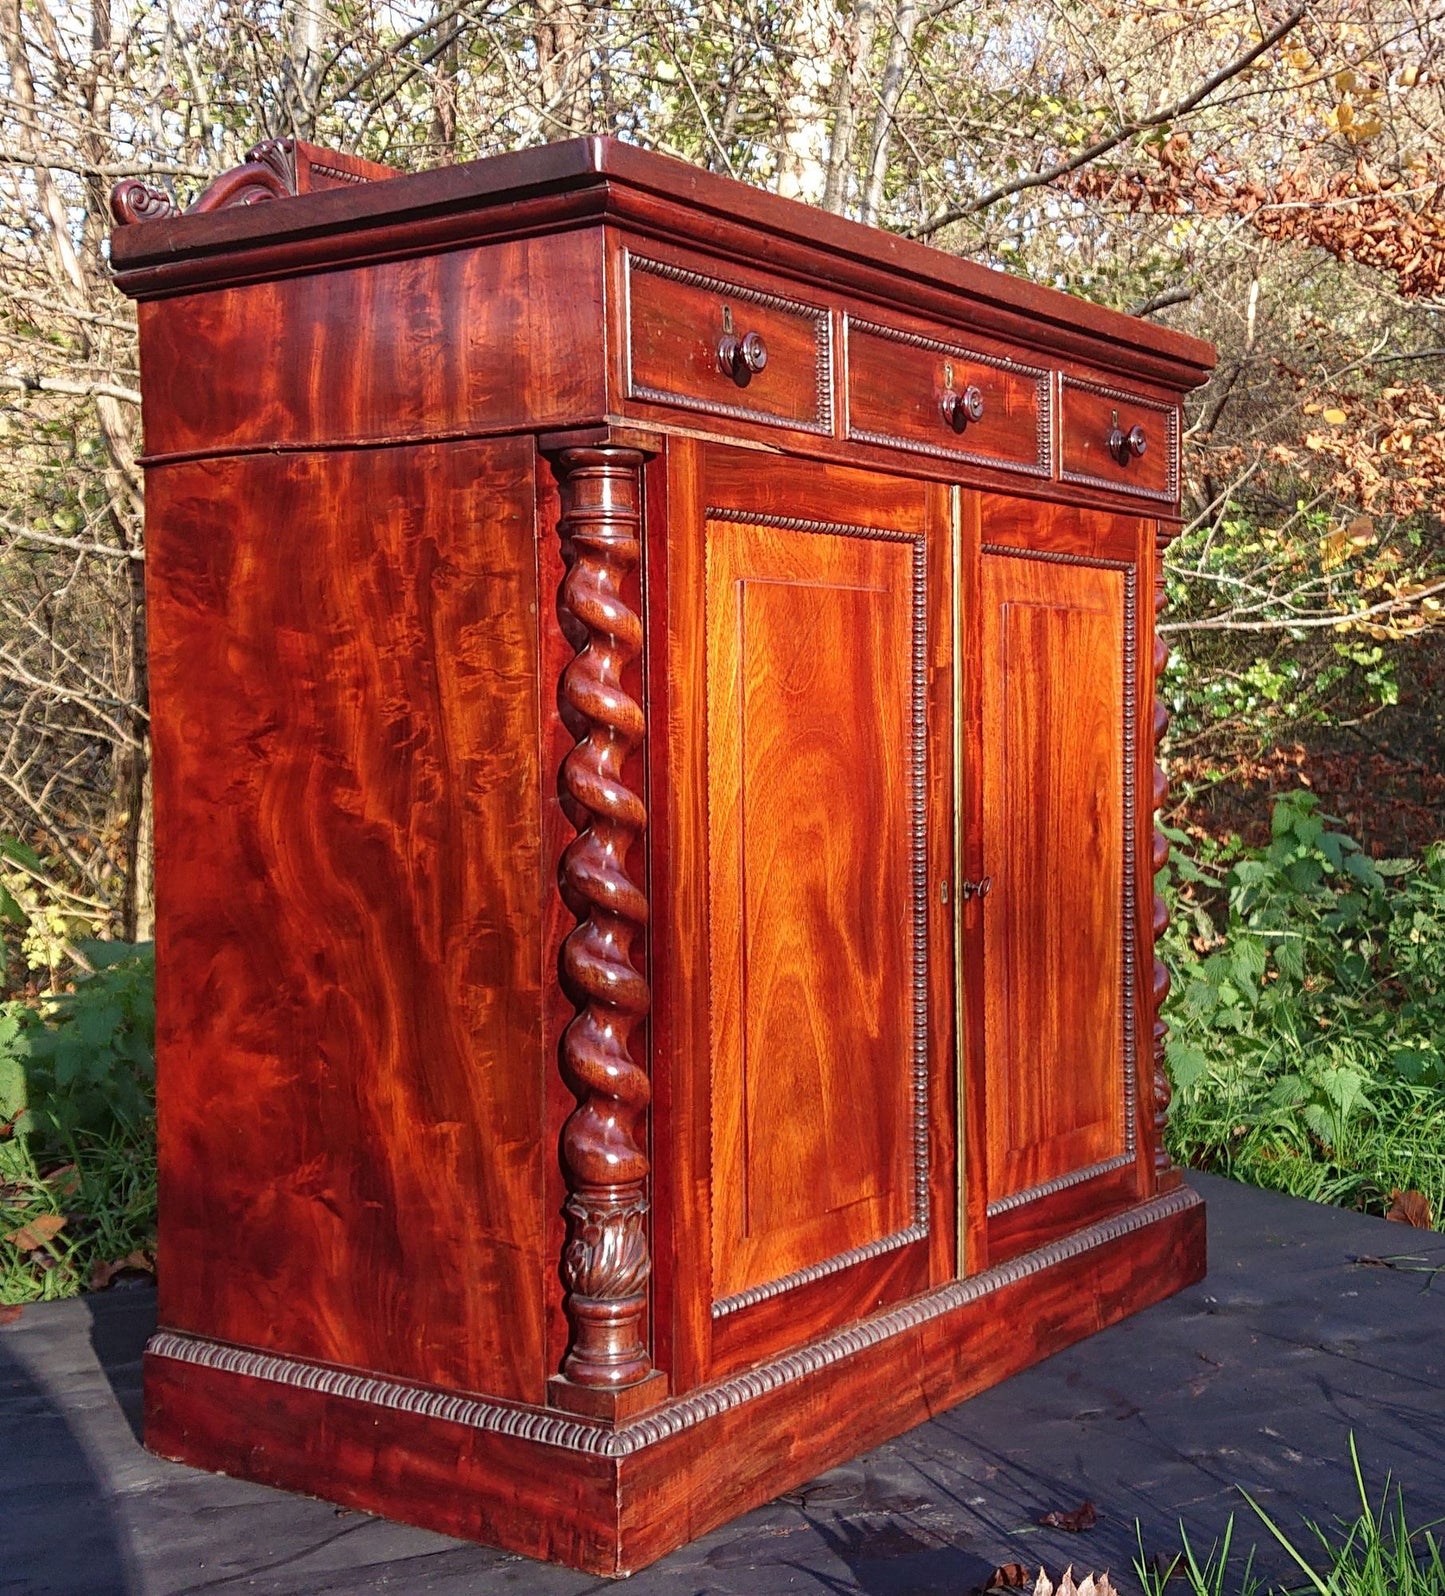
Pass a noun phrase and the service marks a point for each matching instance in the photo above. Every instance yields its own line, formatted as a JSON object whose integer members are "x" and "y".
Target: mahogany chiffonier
{"x": 654, "y": 735}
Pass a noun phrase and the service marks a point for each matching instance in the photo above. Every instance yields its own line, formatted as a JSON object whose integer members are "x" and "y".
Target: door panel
{"x": 1057, "y": 687}
{"x": 814, "y": 724}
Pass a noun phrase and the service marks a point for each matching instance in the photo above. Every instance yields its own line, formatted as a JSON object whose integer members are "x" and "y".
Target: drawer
{"x": 681, "y": 324}
{"x": 912, "y": 392}
{"x": 1092, "y": 413}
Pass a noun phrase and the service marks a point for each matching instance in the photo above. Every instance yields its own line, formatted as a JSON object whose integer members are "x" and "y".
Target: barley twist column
{"x": 605, "y": 1263}
{"x": 1163, "y": 1164}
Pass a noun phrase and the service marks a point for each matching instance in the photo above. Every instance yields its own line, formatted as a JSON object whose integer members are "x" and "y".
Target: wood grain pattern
{"x": 677, "y": 314}
{"x": 343, "y": 668}
{"x": 472, "y": 341}
{"x": 699, "y": 476}
{"x": 605, "y": 1263}
{"x": 896, "y": 383}
{"x": 474, "y": 575}
{"x": 1090, "y": 411}
{"x": 612, "y": 1502}
{"x": 551, "y": 187}
{"x": 273, "y": 169}
{"x": 1054, "y": 829}
{"x": 812, "y": 707}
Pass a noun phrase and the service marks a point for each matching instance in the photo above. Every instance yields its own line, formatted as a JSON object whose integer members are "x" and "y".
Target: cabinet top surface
{"x": 592, "y": 180}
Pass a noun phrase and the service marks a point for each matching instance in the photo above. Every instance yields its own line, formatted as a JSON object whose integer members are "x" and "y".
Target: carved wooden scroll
{"x": 605, "y": 1265}
{"x": 1163, "y": 1164}
{"x": 273, "y": 169}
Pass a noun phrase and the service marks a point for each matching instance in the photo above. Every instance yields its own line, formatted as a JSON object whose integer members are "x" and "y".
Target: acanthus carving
{"x": 131, "y": 200}
{"x": 269, "y": 172}
{"x": 1163, "y": 1093}
{"x": 605, "y": 1263}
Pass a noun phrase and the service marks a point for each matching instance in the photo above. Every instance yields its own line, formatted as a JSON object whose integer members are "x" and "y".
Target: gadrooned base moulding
{"x": 609, "y": 1500}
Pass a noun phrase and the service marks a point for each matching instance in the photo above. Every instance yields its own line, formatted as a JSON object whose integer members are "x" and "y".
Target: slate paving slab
{"x": 1256, "y": 1378}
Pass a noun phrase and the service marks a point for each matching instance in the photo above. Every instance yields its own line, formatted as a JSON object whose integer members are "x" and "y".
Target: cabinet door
{"x": 826, "y": 779}
{"x": 1058, "y": 924}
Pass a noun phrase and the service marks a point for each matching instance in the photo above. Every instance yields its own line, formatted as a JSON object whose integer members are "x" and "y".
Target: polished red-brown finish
{"x": 669, "y": 1477}
{"x": 345, "y": 722}
{"x": 1158, "y": 858}
{"x": 273, "y": 169}
{"x": 911, "y": 390}
{"x": 605, "y": 1263}
{"x": 655, "y": 717}
{"x": 1055, "y": 845}
{"x": 687, "y": 331}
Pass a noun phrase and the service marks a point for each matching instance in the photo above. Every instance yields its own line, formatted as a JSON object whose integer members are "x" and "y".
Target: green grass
{"x": 1232, "y": 1122}
{"x": 106, "y": 1195}
{"x": 1375, "y": 1553}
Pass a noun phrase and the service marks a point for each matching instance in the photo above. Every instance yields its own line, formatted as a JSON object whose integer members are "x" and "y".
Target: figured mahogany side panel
{"x": 475, "y": 340}
{"x": 1058, "y": 694}
{"x": 605, "y": 1263}
{"x": 816, "y": 782}
{"x": 348, "y": 876}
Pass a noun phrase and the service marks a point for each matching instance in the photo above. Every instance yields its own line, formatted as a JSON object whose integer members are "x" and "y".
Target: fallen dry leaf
{"x": 64, "y": 1182}
{"x": 133, "y": 1263}
{"x": 36, "y": 1232}
{"x": 1411, "y": 1208}
{"x": 10, "y": 1312}
{"x": 1009, "y": 1576}
{"x": 1082, "y": 1518}
{"x": 1088, "y": 1586}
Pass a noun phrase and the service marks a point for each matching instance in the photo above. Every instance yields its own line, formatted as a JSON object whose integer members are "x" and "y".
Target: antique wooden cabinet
{"x": 654, "y": 722}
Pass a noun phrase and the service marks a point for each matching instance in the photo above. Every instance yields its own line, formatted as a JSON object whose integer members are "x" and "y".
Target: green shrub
{"x": 1307, "y": 1013}
{"x": 77, "y": 1126}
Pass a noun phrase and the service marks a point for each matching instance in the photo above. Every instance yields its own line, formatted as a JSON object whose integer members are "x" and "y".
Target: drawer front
{"x": 677, "y": 321}
{"x": 1092, "y": 413}
{"x": 908, "y": 391}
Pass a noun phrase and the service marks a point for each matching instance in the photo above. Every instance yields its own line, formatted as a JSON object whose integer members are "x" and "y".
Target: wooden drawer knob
{"x": 961, "y": 408}
{"x": 742, "y": 358}
{"x": 1127, "y": 446}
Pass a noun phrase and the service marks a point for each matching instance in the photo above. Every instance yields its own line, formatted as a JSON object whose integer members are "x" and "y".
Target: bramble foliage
{"x": 1308, "y": 1012}
{"x": 77, "y": 1138}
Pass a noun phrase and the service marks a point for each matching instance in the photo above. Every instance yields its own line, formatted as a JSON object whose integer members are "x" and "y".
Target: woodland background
{"x": 1273, "y": 180}
{"x": 1270, "y": 178}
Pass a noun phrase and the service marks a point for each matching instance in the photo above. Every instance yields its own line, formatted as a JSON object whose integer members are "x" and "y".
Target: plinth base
{"x": 609, "y": 1499}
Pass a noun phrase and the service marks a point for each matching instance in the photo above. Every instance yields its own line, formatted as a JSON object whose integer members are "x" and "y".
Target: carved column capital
{"x": 605, "y": 1264}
